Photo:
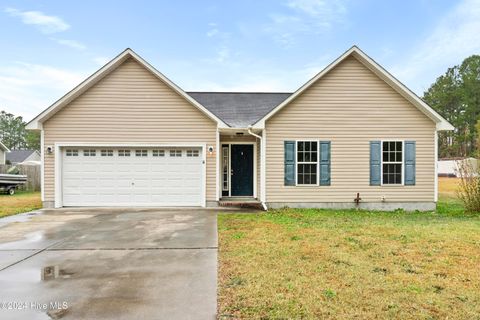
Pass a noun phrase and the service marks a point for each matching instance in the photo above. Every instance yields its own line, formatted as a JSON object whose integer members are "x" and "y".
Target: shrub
{"x": 469, "y": 186}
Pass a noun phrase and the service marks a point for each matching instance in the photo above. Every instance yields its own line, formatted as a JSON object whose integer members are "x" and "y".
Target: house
{"x": 3, "y": 151}
{"x": 450, "y": 167}
{"x": 23, "y": 156}
{"x": 128, "y": 136}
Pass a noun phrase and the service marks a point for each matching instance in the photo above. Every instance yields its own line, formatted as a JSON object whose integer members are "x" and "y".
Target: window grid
{"x": 72, "y": 152}
{"x": 307, "y": 162}
{"x": 106, "y": 153}
{"x": 89, "y": 153}
{"x": 124, "y": 153}
{"x": 141, "y": 153}
{"x": 175, "y": 153}
{"x": 158, "y": 153}
{"x": 392, "y": 162}
{"x": 192, "y": 153}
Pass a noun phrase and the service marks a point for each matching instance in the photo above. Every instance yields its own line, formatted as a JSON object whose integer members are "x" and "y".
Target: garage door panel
{"x": 132, "y": 180}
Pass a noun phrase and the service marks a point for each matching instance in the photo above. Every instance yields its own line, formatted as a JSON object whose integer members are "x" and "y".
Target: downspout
{"x": 262, "y": 201}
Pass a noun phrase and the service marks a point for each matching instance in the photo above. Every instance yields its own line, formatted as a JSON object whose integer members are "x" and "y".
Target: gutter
{"x": 264, "y": 206}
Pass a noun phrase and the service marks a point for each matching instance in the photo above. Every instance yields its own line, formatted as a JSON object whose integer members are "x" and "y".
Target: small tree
{"x": 469, "y": 186}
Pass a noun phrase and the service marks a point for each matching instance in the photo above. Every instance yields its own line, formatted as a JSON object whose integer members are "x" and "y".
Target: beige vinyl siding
{"x": 130, "y": 105}
{"x": 2, "y": 156}
{"x": 245, "y": 138}
{"x": 350, "y": 106}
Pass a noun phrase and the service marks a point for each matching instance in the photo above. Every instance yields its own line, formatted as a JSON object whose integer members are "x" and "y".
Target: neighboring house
{"x": 23, "y": 156}
{"x": 3, "y": 151}
{"x": 450, "y": 167}
{"x": 128, "y": 136}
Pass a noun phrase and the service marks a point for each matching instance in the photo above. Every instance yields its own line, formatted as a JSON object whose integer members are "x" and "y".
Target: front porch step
{"x": 240, "y": 202}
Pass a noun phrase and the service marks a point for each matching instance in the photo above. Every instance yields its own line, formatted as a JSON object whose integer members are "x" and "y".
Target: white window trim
{"x": 297, "y": 163}
{"x": 402, "y": 164}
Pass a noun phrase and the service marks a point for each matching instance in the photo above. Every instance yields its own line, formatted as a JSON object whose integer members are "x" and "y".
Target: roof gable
{"x": 17, "y": 156}
{"x": 36, "y": 123}
{"x": 441, "y": 123}
{"x": 3, "y": 147}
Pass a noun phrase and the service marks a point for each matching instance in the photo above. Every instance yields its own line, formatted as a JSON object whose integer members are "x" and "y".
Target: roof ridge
{"x": 243, "y": 92}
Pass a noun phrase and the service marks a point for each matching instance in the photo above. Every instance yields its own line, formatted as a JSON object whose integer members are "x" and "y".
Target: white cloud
{"x": 70, "y": 43}
{"x": 101, "y": 60}
{"x": 306, "y": 17}
{"x": 212, "y": 32}
{"x": 26, "y": 89}
{"x": 327, "y": 11}
{"x": 454, "y": 38}
{"x": 45, "y": 23}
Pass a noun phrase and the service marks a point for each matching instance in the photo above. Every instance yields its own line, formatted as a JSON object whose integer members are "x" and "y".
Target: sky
{"x": 49, "y": 47}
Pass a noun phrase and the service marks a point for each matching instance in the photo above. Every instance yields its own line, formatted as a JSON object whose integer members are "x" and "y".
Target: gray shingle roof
{"x": 239, "y": 109}
{"x": 18, "y": 156}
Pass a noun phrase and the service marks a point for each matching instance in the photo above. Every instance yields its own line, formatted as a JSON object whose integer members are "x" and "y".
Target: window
{"x": 193, "y": 153}
{"x": 141, "y": 153}
{"x": 175, "y": 153}
{"x": 72, "y": 153}
{"x": 89, "y": 153}
{"x": 158, "y": 153}
{"x": 307, "y": 162}
{"x": 106, "y": 153}
{"x": 124, "y": 153}
{"x": 392, "y": 162}
{"x": 225, "y": 168}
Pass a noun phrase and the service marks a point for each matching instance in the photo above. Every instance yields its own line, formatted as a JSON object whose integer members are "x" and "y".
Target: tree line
{"x": 14, "y": 135}
{"x": 456, "y": 96}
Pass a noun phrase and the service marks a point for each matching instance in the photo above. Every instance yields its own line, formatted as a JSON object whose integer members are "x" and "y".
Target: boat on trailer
{"x": 10, "y": 182}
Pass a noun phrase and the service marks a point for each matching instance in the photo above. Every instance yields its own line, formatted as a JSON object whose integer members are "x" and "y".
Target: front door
{"x": 242, "y": 170}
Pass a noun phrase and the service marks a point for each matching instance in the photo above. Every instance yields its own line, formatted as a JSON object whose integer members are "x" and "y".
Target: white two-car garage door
{"x": 138, "y": 176}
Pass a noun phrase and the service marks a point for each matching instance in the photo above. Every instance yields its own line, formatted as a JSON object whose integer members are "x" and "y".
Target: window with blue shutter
{"x": 375, "y": 163}
{"x": 409, "y": 163}
{"x": 325, "y": 163}
{"x": 289, "y": 153}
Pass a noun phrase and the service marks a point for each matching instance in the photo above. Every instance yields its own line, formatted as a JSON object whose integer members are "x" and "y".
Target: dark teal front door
{"x": 242, "y": 170}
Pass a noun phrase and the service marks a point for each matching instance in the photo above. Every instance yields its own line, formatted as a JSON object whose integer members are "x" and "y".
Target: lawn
{"x": 345, "y": 264}
{"x": 18, "y": 203}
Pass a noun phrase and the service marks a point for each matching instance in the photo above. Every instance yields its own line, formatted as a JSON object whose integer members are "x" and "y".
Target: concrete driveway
{"x": 109, "y": 264}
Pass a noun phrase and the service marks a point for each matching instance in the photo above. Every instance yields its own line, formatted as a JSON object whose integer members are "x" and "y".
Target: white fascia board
{"x": 441, "y": 123}
{"x": 261, "y": 123}
{"x": 403, "y": 90}
{"x": 2, "y": 146}
{"x": 177, "y": 89}
{"x": 36, "y": 123}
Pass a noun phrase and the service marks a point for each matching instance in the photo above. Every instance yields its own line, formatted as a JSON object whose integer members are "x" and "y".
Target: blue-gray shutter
{"x": 289, "y": 163}
{"x": 375, "y": 162}
{"x": 325, "y": 163}
{"x": 409, "y": 163}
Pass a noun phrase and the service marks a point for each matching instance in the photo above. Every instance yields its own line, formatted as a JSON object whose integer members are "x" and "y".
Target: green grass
{"x": 343, "y": 264}
{"x": 18, "y": 203}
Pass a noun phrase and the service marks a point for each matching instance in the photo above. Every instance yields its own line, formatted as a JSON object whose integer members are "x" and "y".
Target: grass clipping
{"x": 469, "y": 186}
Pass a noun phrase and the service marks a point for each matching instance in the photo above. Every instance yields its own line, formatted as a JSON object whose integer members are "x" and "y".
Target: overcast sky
{"x": 50, "y": 46}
